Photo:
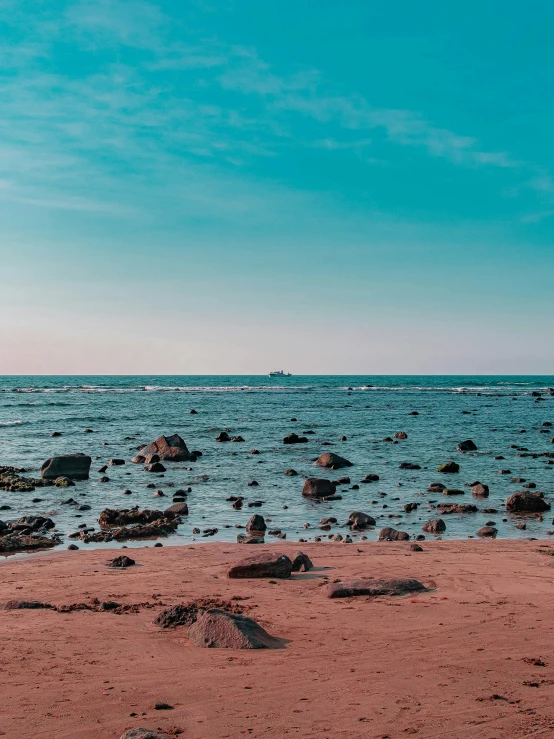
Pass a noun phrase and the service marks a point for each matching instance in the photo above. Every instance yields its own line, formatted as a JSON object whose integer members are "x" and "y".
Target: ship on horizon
{"x": 279, "y": 373}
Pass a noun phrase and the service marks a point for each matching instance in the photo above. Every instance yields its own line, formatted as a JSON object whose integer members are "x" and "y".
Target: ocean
{"x": 503, "y": 415}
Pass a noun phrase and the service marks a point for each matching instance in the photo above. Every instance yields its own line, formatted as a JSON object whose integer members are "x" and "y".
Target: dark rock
{"x": 72, "y": 547}
{"x": 121, "y": 562}
{"x": 290, "y": 473}
{"x": 222, "y": 630}
{"x": 409, "y": 466}
{"x": 256, "y": 526}
{"x": 409, "y": 507}
{"x": 180, "y": 509}
{"x": 116, "y": 462}
{"x": 359, "y": 521}
{"x": 332, "y": 461}
{"x": 487, "y": 531}
{"x": 372, "y": 587}
{"x": 449, "y": 467}
{"x": 247, "y": 539}
{"x": 295, "y": 439}
{"x": 253, "y": 484}
{"x": 15, "y": 605}
{"x": 56, "y": 433}
{"x": 401, "y": 435}
{"x": 453, "y": 491}
{"x": 237, "y": 438}
{"x": 480, "y": 491}
{"x": 301, "y": 562}
{"x": 169, "y": 449}
{"x": 415, "y": 548}
{"x": 390, "y": 534}
{"x": 223, "y": 436}
{"x": 144, "y": 734}
{"x": 74, "y": 466}
{"x": 447, "y": 508}
{"x": 15, "y": 542}
{"x": 155, "y": 467}
{"x": 266, "y": 564}
{"x": 436, "y": 526}
{"x": 466, "y": 446}
{"x": 315, "y": 487}
{"x": 526, "y": 502}
{"x": 370, "y": 478}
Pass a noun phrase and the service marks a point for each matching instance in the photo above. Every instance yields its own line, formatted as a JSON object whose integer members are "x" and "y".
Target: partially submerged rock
{"x": 111, "y": 517}
{"x": 372, "y": 587}
{"x": 256, "y": 526}
{"x": 73, "y": 466}
{"x": 332, "y": 461}
{"x": 436, "y": 526}
{"x": 15, "y": 542}
{"x": 295, "y": 439}
{"x": 316, "y": 487}
{"x": 526, "y": 502}
{"x": 390, "y": 534}
{"x": 169, "y": 449}
{"x": 446, "y": 508}
{"x": 218, "y": 629}
{"x": 449, "y": 467}
{"x": 466, "y": 446}
{"x": 265, "y": 564}
{"x": 479, "y": 490}
{"x": 359, "y": 521}
{"x": 487, "y": 531}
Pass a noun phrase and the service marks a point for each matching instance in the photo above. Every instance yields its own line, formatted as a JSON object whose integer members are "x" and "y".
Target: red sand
{"x": 445, "y": 663}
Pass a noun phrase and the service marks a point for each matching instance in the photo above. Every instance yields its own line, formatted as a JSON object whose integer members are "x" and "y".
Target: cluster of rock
{"x": 27, "y": 533}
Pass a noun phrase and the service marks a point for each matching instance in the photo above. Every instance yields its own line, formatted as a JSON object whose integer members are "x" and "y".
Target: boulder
{"x": 466, "y": 446}
{"x": 121, "y": 562}
{"x": 436, "y": 526}
{"x": 527, "y": 502}
{"x": 218, "y": 629}
{"x": 390, "y": 534}
{"x": 266, "y": 564}
{"x": 446, "y": 508}
{"x": 223, "y": 436}
{"x": 256, "y": 526}
{"x": 116, "y": 462}
{"x": 372, "y": 477}
{"x": 168, "y": 449}
{"x": 436, "y": 487}
{"x": 112, "y": 517}
{"x": 315, "y": 487}
{"x": 409, "y": 466}
{"x": 16, "y": 542}
{"x": 290, "y": 473}
{"x": 373, "y": 587}
{"x": 479, "y": 490}
{"x": 73, "y": 466}
{"x": 332, "y": 461}
{"x": 401, "y": 435}
{"x": 247, "y": 539}
{"x": 179, "y": 509}
{"x": 154, "y": 467}
{"x": 487, "y": 531}
{"x": 301, "y": 562}
{"x": 359, "y": 521}
{"x": 449, "y": 467}
{"x": 295, "y": 439}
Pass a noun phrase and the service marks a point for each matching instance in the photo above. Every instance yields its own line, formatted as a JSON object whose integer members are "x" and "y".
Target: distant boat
{"x": 279, "y": 373}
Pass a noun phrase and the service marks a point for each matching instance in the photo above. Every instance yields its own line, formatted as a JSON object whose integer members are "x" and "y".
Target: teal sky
{"x": 231, "y": 186}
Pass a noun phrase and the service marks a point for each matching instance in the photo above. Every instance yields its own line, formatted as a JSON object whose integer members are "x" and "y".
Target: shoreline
{"x": 358, "y": 667}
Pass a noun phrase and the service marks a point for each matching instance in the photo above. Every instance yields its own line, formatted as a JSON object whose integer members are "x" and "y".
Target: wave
{"x": 10, "y": 423}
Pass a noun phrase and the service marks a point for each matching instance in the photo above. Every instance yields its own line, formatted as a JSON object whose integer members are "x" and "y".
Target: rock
{"x": 370, "y": 478}
{"x": 169, "y": 449}
{"x": 180, "y": 509}
{"x": 256, "y": 526}
{"x": 390, "y": 534}
{"x": 301, "y": 562}
{"x": 415, "y": 548}
{"x": 266, "y": 564}
{"x": 410, "y": 507}
{"x": 447, "y": 508}
{"x": 253, "y": 484}
{"x": 237, "y": 438}
{"x": 466, "y": 446}
{"x": 246, "y": 539}
{"x": 436, "y": 526}
{"x": 290, "y": 473}
{"x": 56, "y": 433}
{"x": 295, "y": 439}
{"x": 487, "y": 531}
{"x": 342, "y": 481}
{"x": 72, "y": 547}
{"x": 480, "y": 491}
{"x": 222, "y": 630}
{"x": 315, "y": 487}
{"x": 15, "y": 542}
{"x": 527, "y": 502}
{"x": 223, "y": 436}
{"x": 409, "y": 466}
{"x": 63, "y": 482}
{"x": 155, "y": 467}
{"x": 449, "y": 467}
{"x": 436, "y": 487}
{"x": 16, "y": 605}
{"x": 26, "y": 524}
{"x": 144, "y": 734}
{"x": 73, "y": 466}
{"x": 332, "y": 461}
{"x": 359, "y": 521}
{"x": 121, "y": 562}
{"x": 122, "y": 517}
{"x": 372, "y": 587}
{"x": 160, "y": 527}
{"x": 401, "y": 435}
{"x": 453, "y": 491}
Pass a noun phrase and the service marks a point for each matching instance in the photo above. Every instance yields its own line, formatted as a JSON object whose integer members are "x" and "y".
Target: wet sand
{"x": 455, "y": 661}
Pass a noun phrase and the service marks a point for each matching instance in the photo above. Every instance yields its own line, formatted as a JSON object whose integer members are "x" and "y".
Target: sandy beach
{"x": 472, "y": 656}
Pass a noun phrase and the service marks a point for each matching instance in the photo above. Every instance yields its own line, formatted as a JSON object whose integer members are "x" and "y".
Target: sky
{"x": 234, "y": 186}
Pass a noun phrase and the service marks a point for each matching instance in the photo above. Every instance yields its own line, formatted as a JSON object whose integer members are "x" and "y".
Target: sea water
{"x": 497, "y": 413}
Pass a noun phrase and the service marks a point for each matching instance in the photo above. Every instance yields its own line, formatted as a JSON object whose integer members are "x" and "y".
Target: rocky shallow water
{"x": 356, "y": 417}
